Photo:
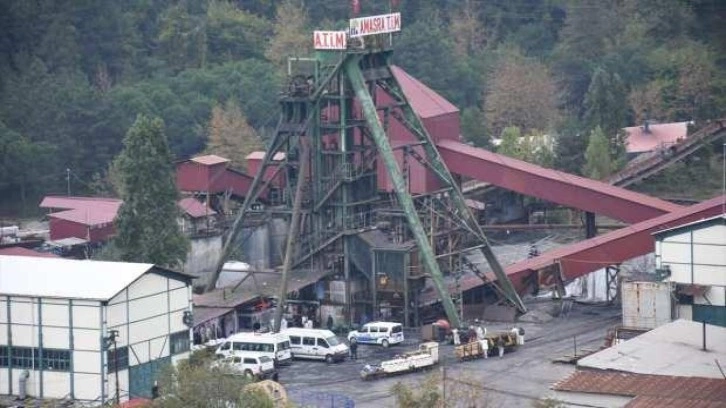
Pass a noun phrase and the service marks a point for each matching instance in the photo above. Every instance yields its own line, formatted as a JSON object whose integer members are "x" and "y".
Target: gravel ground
{"x": 516, "y": 380}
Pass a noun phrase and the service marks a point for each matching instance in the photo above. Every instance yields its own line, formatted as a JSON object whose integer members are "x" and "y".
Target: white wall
{"x": 695, "y": 257}
{"x": 50, "y": 319}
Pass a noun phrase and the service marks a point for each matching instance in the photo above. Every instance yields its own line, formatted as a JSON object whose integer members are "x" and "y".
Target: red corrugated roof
{"x": 656, "y": 402}
{"x": 209, "y": 160}
{"x": 194, "y": 208}
{"x": 72, "y": 203}
{"x": 424, "y": 100}
{"x": 20, "y": 251}
{"x": 259, "y": 155}
{"x": 660, "y": 134}
{"x": 90, "y": 211}
{"x": 635, "y": 385}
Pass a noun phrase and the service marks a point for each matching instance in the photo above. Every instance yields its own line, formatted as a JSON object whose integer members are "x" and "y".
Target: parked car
{"x": 381, "y": 333}
{"x": 249, "y": 364}
{"x": 316, "y": 344}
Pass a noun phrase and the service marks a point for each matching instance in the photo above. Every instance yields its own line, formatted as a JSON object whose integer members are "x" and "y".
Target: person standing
{"x": 330, "y": 323}
{"x": 484, "y": 347}
{"x": 283, "y": 324}
{"x": 354, "y": 349}
{"x": 457, "y": 339}
{"x": 500, "y": 346}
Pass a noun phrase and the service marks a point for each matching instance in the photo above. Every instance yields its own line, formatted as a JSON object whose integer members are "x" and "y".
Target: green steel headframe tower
{"x": 333, "y": 133}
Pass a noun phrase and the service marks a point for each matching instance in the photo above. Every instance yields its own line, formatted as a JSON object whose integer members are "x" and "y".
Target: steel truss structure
{"x": 333, "y": 133}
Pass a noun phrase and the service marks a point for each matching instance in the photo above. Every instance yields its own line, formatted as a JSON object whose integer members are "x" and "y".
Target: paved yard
{"x": 516, "y": 380}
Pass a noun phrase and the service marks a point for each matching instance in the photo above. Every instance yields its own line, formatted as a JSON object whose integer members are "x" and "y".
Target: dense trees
{"x": 74, "y": 75}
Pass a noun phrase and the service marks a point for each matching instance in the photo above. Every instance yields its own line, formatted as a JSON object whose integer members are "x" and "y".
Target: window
{"x": 373, "y": 329}
{"x": 264, "y": 359}
{"x": 57, "y": 360}
{"x": 295, "y": 340}
{"x": 4, "y": 357}
{"x": 283, "y": 346}
{"x": 396, "y": 329}
{"x": 309, "y": 341}
{"x": 333, "y": 341}
{"x": 117, "y": 358}
{"x": 23, "y": 357}
{"x": 250, "y": 361}
{"x": 226, "y": 346}
{"x": 179, "y": 342}
{"x": 28, "y": 357}
{"x": 322, "y": 343}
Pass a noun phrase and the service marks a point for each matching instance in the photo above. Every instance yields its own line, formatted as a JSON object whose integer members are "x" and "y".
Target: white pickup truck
{"x": 426, "y": 356}
{"x": 250, "y": 365}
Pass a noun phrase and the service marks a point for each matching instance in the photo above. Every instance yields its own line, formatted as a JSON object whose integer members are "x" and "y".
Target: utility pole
{"x": 68, "y": 181}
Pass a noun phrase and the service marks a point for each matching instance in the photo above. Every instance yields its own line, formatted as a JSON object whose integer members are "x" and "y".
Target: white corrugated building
{"x": 695, "y": 257}
{"x": 56, "y": 317}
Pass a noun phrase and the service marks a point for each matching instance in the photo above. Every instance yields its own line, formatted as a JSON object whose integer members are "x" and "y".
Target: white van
{"x": 249, "y": 364}
{"x": 274, "y": 345}
{"x": 316, "y": 344}
{"x": 383, "y": 333}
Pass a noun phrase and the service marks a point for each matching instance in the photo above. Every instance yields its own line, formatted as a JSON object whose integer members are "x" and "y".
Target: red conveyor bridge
{"x": 646, "y": 214}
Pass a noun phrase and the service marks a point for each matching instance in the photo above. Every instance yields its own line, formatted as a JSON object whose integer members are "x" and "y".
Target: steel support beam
{"x": 436, "y": 163}
{"x": 292, "y": 236}
{"x": 386, "y": 153}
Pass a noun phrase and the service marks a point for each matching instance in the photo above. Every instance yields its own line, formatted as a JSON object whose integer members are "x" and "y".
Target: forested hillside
{"x": 74, "y": 74}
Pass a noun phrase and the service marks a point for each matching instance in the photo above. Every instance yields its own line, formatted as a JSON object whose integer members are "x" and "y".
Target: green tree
{"x": 194, "y": 383}
{"x": 570, "y": 145}
{"x": 511, "y": 144}
{"x": 598, "y": 164}
{"x": 473, "y": 128}
{"x": 233, "y": 33}
{"x": 147, "y": 221}
{"x": 606, "y": 103}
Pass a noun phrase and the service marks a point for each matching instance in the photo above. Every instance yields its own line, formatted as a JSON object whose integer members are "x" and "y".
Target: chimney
{"x": 646, "y": 122}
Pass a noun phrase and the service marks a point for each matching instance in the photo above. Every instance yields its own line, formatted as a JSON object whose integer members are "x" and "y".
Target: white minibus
{"x": 274, "y": 345}
{"x": 316, "y": 344}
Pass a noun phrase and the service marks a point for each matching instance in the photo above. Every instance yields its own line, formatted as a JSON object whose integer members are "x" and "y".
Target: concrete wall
{"x": 202, "y": 257}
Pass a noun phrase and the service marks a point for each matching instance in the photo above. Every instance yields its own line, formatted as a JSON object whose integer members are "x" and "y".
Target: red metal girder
{"x": 615, "y": 247}
{"x": 551, "y": 185}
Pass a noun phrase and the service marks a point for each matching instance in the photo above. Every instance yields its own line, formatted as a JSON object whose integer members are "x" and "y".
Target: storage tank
{"x": 647, "y": 305}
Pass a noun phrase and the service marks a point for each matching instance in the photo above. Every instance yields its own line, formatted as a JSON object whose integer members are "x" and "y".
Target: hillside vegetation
{"x": 74, "y": 74}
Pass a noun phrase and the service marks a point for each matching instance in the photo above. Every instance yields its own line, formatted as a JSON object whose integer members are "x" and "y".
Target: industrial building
{"x": 694, "y": 257}
{"x": 674, "y": 365}
{"x": 69, "y": 328}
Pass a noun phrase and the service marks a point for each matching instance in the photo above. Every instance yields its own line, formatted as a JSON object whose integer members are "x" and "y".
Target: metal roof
{"x": 635, "y": 385}
{"x": 659, "y": 134}
{"x": 209, "y": 160}
{"x": 259, "y": 155}
{"x": 671, "y": 349}
{"x": 87, "y": 216}
{"x": 658, "y": 402}
{"x": 20, "y": 251}
{"x": 424, "y": 100}
{"x": 66, "y": 278}
{"x": 706, "y": 222}
{"x": 90, "y": 211}
{"x": 194, "y": 208}
{"x": 76, "y": 202}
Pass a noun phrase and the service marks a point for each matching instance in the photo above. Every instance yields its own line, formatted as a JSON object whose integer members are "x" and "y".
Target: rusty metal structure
{"x": 359, "y": 214}
{"x": 383, "y": 245}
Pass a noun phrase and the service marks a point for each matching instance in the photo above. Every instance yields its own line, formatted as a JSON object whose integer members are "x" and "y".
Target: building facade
{"x": 71, "y": 328}
{"x": 694, "y": 255}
